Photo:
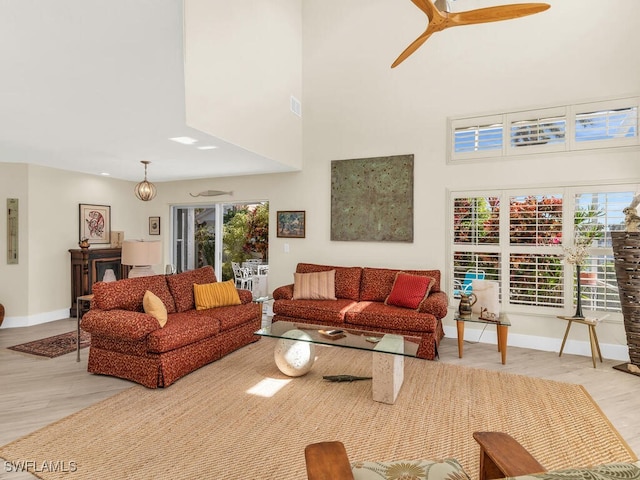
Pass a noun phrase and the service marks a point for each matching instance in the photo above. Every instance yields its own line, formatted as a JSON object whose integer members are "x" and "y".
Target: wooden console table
{"x": 593, "y": 337}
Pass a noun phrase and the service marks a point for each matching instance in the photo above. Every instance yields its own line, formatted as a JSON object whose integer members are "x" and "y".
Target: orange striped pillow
{"x": 409, "y": 290}
{"x": 218, "y": 294}
{"x": 315, "y": 286}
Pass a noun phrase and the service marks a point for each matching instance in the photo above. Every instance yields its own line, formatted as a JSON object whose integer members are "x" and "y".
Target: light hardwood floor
{"x": 37, "y": 391}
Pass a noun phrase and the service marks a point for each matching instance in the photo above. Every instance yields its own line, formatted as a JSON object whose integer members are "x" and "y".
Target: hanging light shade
{"x": 145, "y": 190}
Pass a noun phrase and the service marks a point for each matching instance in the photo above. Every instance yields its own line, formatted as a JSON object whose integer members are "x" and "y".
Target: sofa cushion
{"x": 378, "y": 282}
{"x": 234, "y": 316}
{"x": 181, "y": 286}
{"x": 217, "y": 294}
{"x": 409, "y": 291}
{"x": 182, "y": 329}
{"x": 347, "y": 278}
{"x": 153, "y": 306}
{"x": 127, "y": 294}
{"x": 622, "y": 470}
{"x": 315, "y": 285}
{"x": 448, "y": 469}
{"x": 319, "y": 310}
{"x": 379, "y": 315}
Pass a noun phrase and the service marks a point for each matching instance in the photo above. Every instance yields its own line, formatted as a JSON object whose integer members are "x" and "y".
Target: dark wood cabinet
{"x": 88, "y": 267}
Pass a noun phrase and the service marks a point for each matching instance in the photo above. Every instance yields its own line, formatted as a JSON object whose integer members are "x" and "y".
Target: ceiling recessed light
{"x": 105, "y": 174}
{"x": 184, "y": 140}
{"x": 207, "y": 147}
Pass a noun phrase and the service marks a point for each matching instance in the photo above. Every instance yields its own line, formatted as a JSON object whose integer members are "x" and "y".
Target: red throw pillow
{"x": 409, "y": 290}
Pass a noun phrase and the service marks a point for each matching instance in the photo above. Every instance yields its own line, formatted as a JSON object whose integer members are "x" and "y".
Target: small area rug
{"x": 54, "y": 346}
{"x": 240, "y": 418}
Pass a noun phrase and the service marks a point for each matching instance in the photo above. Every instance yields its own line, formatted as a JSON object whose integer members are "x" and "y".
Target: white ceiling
{"x": 97, "y": 86}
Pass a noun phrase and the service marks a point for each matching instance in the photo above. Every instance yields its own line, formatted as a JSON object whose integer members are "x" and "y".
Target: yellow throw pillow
{"x": 315, "y": 286}
{"x": 218, "y": 294}
{"x": 153, "y": 306}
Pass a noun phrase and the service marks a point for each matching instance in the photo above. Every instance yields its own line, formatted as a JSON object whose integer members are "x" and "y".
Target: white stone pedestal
{"x": 294, "y": 357}
{"x": 388, "y": 369}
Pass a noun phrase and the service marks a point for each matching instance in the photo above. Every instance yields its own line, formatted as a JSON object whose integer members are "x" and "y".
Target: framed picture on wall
{"x": 154, "y": 225}
{"x": 291, "y": 224}
{"x": 95, "y": 223}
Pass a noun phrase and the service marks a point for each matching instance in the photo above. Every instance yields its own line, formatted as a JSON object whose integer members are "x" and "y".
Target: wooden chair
{"x": 500, "y": 456}
{"x": 327, "y": 461}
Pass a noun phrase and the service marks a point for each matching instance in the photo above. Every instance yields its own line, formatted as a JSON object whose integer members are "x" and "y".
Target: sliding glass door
{"x": 217, "y": 234}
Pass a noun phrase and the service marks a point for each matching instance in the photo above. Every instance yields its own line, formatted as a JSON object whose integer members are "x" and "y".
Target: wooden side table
{"x": 593, "y": 337}
{"x": 80, "y": 303}
{"x": 502, "y": 331}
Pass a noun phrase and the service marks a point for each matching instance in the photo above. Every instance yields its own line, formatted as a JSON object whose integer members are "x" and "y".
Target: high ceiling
{"x": 97, "y": 86}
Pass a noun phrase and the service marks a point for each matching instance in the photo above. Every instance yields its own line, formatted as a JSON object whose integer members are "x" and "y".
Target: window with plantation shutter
{"x": 604, "y": 124}
{"x": 478, "y": 138}
{"x": 607, "y": 124}
{"x": 537, "y": 131}
{"x": 535, "y": 219}
{"x": 523, "y": 247}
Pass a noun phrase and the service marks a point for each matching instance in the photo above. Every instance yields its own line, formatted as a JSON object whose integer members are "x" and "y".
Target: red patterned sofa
{"x": 360, "y": 303}
{"x": 128, "y": 343}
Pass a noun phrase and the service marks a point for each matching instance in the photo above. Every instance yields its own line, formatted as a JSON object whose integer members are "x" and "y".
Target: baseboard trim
{"x": 546, "y": 344}
{"x": 29, "y": 321}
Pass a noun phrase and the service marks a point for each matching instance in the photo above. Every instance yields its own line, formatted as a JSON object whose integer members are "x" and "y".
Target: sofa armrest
{"x": 120, "y": 324}
{"x": 245, "y": 295}
{"x": 283, "y": 293}
{"x": 502, "y": 456}
{"x": 436, "y": 304}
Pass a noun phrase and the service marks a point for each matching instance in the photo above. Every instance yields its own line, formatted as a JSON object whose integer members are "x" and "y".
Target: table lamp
{"x": 141, "y": 255}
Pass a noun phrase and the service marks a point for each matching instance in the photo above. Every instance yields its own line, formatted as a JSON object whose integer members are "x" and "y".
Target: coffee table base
{"x": 294, "y": 356}
{"x": 388, "y": 376}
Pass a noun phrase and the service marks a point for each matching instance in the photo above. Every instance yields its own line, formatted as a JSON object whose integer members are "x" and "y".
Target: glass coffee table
{"x": 295, "y": 351}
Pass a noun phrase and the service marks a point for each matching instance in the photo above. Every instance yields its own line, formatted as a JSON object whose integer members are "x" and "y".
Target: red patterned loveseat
{"x": 128, "y": 343}
{"x": 360, "y": 303}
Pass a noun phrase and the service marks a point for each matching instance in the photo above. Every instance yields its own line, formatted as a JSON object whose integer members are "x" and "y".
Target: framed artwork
{"x": 95, "y": 223}
{"x": 372, "y": 199}
{"x": 154, "y": 225}
{"x": 291, "y": 224}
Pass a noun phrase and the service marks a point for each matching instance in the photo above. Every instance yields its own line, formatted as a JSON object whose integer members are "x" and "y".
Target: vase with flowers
{"x": 576, "y": 255}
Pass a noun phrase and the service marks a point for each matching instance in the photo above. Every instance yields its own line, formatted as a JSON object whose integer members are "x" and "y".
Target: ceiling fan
{"x": 441, "y": 18}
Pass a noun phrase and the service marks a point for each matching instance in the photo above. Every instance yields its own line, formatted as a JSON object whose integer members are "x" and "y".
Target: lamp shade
{"x": 141, "y": 253}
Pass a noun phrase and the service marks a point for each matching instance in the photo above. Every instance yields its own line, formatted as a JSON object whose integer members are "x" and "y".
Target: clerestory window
{"x": 565, "y": 128}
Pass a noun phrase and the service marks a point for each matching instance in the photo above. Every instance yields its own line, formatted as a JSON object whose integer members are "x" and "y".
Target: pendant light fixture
{"x": 145, "y": 190}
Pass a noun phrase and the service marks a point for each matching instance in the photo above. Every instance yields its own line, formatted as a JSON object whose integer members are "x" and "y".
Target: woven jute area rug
{"x": 240, "y": 418}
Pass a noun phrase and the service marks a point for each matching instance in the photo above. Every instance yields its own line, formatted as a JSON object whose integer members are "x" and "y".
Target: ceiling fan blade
{"x": 496, "y": 14}
{"x": 412, "y": 47}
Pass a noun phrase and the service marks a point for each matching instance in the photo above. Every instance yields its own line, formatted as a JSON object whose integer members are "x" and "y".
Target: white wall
{"x": 242, "y": 65}
{"x": 38, "y": 288}
{"x": 14, "y": 278}
{"x": 355, "y": 106}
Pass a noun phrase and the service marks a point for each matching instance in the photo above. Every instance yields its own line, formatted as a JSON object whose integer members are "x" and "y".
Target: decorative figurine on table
{"x": 487, "y": 315}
